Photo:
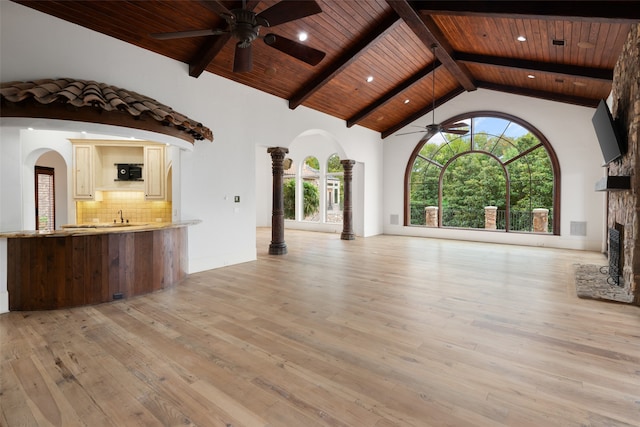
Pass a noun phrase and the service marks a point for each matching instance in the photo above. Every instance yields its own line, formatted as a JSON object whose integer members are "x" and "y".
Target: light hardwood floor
{"x": 383, "y": 331}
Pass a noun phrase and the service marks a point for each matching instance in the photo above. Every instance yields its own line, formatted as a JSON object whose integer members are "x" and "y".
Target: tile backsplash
{"x": 134, "y": 208}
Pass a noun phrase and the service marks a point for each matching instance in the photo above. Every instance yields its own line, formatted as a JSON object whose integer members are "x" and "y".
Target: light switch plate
{"x": 236, "y": 199}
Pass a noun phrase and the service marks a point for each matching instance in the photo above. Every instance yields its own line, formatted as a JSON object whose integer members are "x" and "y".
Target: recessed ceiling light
{"x": 531, "y": 76}
{"x": 586, "y": 45}
{"x": 406, "y": 101}
{"x": 579, "y": 84}
{"x": 521, "y": 39}
{"x": 29, "y": 128}
{"x": 84, "y": 132}
{"x": 302, "y": 36}
{"x": 369, "y": 79}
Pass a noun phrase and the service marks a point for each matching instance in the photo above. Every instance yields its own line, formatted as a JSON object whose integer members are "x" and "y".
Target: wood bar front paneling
{"x": 67, "y": 271}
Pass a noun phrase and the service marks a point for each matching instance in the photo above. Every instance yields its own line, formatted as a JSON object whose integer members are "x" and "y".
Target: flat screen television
{"x": 609, "y": 138}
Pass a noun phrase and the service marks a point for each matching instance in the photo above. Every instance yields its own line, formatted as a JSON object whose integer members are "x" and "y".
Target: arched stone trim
{"x": 93, "y": 102}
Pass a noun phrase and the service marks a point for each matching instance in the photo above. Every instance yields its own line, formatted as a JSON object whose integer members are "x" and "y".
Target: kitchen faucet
{"x": 121, "y": 218}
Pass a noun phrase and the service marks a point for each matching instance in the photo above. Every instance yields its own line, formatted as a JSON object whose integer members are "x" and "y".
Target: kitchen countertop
{"x": 97, "y": 228}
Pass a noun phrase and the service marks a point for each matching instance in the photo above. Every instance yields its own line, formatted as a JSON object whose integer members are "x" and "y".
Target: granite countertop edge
{"x": 89, "y": 229}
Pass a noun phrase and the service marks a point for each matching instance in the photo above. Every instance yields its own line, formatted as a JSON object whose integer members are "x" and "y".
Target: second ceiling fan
{"x": 459, "y": 128}
{"x": 244, "y": 25}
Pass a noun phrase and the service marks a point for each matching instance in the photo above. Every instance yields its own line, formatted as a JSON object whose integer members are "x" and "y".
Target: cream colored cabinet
{"x": 83, "y": 172}
{"x": 154, "y": 176}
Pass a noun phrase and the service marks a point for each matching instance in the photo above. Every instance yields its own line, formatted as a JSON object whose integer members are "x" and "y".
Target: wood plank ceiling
{"x": 571, "y": 50}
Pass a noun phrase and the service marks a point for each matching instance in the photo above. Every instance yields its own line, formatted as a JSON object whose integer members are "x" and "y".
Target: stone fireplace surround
{"x": 623, "y": 207}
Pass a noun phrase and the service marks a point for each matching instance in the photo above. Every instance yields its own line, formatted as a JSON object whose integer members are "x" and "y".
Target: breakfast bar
{"x": 93, "y": 263}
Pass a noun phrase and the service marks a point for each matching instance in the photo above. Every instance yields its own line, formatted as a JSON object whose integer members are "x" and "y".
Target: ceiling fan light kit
{"x": 244, "y": 25}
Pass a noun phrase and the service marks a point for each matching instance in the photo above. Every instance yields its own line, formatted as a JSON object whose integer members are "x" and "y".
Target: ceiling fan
{"x": 459, "y": 128}
{"x": 244, "y": 25}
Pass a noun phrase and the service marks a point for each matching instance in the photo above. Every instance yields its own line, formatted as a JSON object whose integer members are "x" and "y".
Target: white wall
{"x": 569, "y": 130}
{"x": 241, "y": 118}
{"x": 245, "y": 122}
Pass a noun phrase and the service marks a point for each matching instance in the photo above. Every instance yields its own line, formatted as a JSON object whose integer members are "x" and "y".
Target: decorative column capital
{"x": 277, "y": 152}
{"x": 347, "y": 164}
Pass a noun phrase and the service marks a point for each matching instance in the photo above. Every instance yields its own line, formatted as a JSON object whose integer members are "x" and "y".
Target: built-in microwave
{"x": 129, "y": 171}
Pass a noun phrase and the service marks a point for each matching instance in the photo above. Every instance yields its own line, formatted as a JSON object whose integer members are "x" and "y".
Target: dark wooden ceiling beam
{"x": 207, "y": 53}
{"x": 347, "y": 58}
{"x": 549, "y": 96}
{"x": 603, "y": 74}
{"x": 213, "y": 44}
{"x": 380, "y": 102}
{"x": 603, "y": 11}
{"x": 428, "y": 32}
{"x": 417, "y": 115}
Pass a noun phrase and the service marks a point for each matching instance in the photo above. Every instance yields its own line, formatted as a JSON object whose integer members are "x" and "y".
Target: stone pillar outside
{"x": 540, "y": 220}
{"x": 347, "y": 213}
{"x": 431, "y": 216}
{"x": 278, "y": 245}
{"x": 490, "y": 217}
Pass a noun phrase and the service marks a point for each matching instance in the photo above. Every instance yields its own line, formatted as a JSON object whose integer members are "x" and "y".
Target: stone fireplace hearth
{"x": 592, "y": 282}
{"x": 623, "y": 206}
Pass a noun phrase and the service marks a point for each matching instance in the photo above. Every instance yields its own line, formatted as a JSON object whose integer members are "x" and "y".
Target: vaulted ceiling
{"x": 569, "y": 54}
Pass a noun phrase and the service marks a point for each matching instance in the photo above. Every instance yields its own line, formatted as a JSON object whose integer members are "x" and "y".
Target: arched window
{"x": 334, "y": 190}
{"x": 310, "y": 175}
{"x": 289, "y": 189}
{"x": 502, "y": 175}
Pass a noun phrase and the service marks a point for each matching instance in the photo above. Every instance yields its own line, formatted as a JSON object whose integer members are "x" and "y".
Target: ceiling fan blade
{"x": 217, "y": 7}
{"x": 430, "y": 133}
{"x": 410, "y": 133}
{"x": 292, "y": 48}
{"x": 455, "y": 131}
{"x": 185, "y": 34}
{"x": 289, "y": 10}
{"x": 458, "y": 125}
{"x": 243, "y": 59}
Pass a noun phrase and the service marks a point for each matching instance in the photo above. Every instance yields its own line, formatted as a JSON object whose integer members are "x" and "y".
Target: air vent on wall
{"x": 578, "y": 228}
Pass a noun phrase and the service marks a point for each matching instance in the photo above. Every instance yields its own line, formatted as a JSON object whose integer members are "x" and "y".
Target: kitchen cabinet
{"x": 154, "y": 172}
{"x": 95, "y": 168}
{"x": 108, "y": 154}
{"x": 83, "y": 177}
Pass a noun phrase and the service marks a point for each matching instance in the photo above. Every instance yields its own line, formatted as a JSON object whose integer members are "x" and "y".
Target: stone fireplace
{"x": 623, "y": 207}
